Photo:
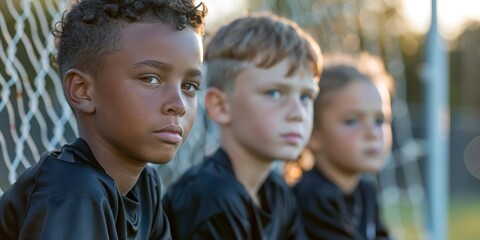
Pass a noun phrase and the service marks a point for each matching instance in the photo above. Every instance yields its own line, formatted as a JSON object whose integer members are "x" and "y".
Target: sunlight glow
{"x": 453, "y": 15}
{"x": 223, "y": 11}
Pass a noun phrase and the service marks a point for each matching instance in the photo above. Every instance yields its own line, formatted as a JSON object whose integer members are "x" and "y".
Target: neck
{"x": 346, "y": 181}
{"x": 250, "y": 170}
{"x": 122, "y": 170}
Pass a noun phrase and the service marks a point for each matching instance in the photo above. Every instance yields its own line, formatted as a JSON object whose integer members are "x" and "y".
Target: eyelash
{"x": 276, "y": 93}
{"x": 350, "y": 122}
{"x": 309, "y": 97}
{"x": 379, "y": 121}
{"x": 195, "y": 86}
{"x": 146, "y": 79}
{"x": 272, "y": 92}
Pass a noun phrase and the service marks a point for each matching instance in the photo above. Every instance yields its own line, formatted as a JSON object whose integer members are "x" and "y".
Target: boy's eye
{"x": 191, "y": 87}
{"x": 379, "y": 121}
{"x": 274, "y": 93}
{"x": 306, "y": 97}
{"x": 150, "y": 79}
{"x": 350, "y": 122}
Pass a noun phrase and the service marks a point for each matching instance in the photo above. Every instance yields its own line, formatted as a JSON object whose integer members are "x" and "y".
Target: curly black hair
{"x": 91, "y": 29}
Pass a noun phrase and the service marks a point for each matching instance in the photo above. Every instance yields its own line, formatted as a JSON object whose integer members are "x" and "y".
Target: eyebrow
{"x": 167, "y": 67}
{"x": 361, "y": 112}
{"x": 194, "y": 73}
{"x": 155, "y": 64}
{"x": 286, "y": 85}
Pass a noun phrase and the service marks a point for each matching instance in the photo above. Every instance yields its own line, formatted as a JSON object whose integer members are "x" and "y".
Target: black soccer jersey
{"x": 328, "y": 213}
{"x": 68, "y": 195}
{"x": 208, "y": 202}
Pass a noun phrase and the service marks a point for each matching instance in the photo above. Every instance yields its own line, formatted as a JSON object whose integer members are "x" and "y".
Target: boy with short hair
{"x": 131, "y": 71}
{"x": 262, "y": 72}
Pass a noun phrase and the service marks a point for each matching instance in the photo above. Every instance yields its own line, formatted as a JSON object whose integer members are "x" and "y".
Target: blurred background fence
{"x": 34, "y": 116}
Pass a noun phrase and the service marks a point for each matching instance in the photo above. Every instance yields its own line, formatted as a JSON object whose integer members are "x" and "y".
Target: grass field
{"x": 464, "y": 220}
{"x": 407, "y": 223}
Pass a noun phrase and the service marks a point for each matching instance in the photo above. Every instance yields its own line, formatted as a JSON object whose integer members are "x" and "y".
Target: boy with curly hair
{"x": 262, "y": 72}
{"x": 131, "y": 71}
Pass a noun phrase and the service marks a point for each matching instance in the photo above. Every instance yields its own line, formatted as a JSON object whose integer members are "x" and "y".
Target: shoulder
{"x": 57, "y": 177}
{"x": 53, "y": 186}
{"x": 205, "y": 190}
{"x": 205, "y": 182}
{"x": 314, "y": 188}
{"x": 314, "y": 182}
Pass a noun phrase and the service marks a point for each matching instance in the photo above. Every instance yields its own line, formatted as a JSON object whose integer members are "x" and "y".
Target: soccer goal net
{"x": 33, "y": 112}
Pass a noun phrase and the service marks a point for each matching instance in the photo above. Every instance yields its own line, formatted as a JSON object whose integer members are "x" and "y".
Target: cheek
{"x": 252, "y": 116}
{"x": 343, "y": 138}
{"x": 122, "y": 107}
{"x": 255, "y": 124}
{"x": 135, "y": 106}
{"x": 267, "y": 119}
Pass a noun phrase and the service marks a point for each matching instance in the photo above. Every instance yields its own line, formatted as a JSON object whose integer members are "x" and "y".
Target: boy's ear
{"x": 79, "y": 89}
{"x": 217, "y": 107}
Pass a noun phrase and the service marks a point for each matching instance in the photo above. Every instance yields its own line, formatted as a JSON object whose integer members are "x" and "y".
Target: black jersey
{"x": 208, "y": 202}
{"x": 68, "y": 195}
{"x": 328, "y": 213}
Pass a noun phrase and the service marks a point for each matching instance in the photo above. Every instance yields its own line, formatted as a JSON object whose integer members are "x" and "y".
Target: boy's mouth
{"x": 170, "y": 134}
{"x": 292, "y": 137}
{"x": 372, "y": 152}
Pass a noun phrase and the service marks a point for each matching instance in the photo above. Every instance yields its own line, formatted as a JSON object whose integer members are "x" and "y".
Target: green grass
{"x": 406, "y": 222}
{"x": 464, "y": 216}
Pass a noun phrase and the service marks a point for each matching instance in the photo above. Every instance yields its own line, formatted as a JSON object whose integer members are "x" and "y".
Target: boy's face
{"x": 355, "y": 133}
{"x": 271, "y": 114}
{"x": 145, "y": 94}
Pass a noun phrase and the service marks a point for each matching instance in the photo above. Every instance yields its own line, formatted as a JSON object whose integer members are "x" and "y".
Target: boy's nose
{"x": 296, "y": 110}
{"x": 373, "y": 131}
{"x": 174, "y": 103}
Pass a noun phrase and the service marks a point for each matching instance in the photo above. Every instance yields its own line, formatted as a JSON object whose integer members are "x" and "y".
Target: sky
{"x": 453, "y": 14}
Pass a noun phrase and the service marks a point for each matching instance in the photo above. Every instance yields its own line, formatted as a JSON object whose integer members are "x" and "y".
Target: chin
{"x": 373, "y": 169}
{"x": 289, "y": 157}
{"x": 164, "y": 157}
{"x": 162, "y": 161}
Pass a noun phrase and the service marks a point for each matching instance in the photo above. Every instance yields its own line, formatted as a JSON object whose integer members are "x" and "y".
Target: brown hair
{"x": 341, "y": 69}
{"x": 262, "y": 39}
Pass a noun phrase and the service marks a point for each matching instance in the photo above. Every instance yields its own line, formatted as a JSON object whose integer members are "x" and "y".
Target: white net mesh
{"x": 34, "y": 116}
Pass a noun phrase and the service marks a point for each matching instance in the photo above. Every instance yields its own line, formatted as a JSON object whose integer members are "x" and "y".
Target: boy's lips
{"x": 170, "y": 134}
{"x": 372, "y": 152}
{"x": 292, "y": 137}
